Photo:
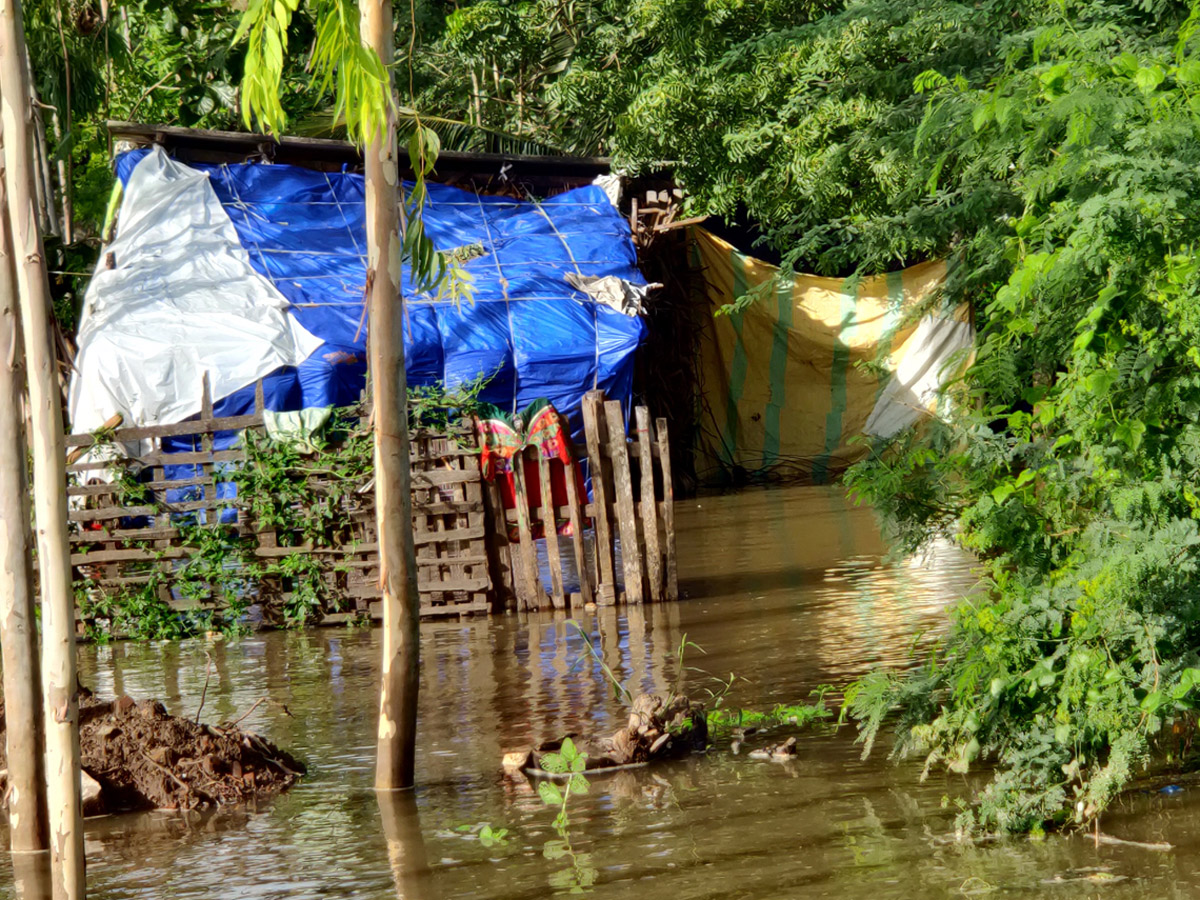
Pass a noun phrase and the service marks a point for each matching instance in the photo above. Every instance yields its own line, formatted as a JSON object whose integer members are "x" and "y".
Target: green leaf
{"x": 550, "y": 793}
{"x": 1148, "y": 78}
{"x": 1002, "y": 492}
{"x": 1188, "y": 72}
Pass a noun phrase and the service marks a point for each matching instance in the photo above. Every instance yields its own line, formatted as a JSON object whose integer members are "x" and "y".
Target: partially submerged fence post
{"x": 593, "y": 426}
{"x": 18, "y": 625}
{"x": 575, "y": 511}
{"x": 526, "y": 549}
{"x": 49, "y": 473}
{"x": 668, "y": 510}
{"x": 550, "y": 529}
{"x": 649, "y": 504}
{"x": 631, "y": 558}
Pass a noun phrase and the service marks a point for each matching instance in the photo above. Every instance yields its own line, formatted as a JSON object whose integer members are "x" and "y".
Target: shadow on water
{"x": 788, "y": 589}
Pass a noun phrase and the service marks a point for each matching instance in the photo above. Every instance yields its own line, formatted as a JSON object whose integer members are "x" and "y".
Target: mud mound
{"x": 142, "y": 758}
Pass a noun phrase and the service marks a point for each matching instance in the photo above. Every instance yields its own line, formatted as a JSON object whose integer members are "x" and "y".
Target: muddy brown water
{"x": 788, "y": 589}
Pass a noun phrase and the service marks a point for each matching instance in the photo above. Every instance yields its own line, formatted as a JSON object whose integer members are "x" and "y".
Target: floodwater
{"x": 787, "y": 589}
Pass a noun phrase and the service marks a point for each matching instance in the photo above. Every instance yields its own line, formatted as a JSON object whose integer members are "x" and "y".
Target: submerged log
{"x": 657, "y": 729}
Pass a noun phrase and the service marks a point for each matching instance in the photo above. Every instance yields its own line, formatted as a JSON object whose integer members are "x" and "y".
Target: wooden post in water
{"x": 575, "y": 510}
{"x": 593, "y": 427}
{"x": 649, "y": 504}
{"x": 61, "y": 700}
{"x": 668, "y": 510}
{"x": 397, "y": 739}
{"x": 534, "y": 595}
{"x": 18, "y": 625}
{"x": 549, "y": 527}
{"x": 618, "y": 448}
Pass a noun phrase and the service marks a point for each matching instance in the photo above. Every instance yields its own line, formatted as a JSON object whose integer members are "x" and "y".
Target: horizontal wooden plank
{"x": 470, "y": 533}
{"x": 121, "y": 512}
{"x": 460, "y": 507}
{"x": 371, "y": 591}
{"x": 177, "y": 429}
{"x": 440, "y": 477}
{"x": 158, "y": 459}
{"x": 99, "y": 490}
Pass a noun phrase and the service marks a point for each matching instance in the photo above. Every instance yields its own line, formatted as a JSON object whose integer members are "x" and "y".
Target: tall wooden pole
{"x": 49, "y": 470}
{"x": 18, "y": 626}
{"x": 396, "y": 748}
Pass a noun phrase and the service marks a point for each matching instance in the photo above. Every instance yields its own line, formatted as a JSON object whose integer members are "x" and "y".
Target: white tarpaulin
{"x": 938, "y": 344}
{"x": 180, "y": 300}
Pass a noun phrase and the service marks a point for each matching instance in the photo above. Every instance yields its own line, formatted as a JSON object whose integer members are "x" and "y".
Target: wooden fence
{"x": 631, "y": 517}
{"x": 468, "y": 562}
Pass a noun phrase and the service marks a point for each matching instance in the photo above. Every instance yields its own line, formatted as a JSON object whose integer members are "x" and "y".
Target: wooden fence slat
{"x": 206, "y": 439}
{"x": 668, "y": 510}
{"x": 631, "y": 556}
{"x": 575, "y": 516}
{"x": 550, "y": 529}
{"x": 654, "y": 572}
{"x": 179, "y": 429}
{"x": 534, "y": 596}
{"x": 594, "y": 432}
{"x": 500, "y": 547}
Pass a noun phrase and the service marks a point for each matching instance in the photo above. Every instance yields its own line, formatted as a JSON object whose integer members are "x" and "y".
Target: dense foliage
{"x": 1070, "y": 467}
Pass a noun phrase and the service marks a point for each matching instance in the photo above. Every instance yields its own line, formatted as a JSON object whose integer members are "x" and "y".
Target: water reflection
{"x": 31, "y": 876}
{"x": 788, "y": 589}
{"x": 405, "y": 845}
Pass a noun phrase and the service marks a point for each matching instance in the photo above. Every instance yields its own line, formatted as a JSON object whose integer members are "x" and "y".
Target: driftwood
{"x": 656, "y": 730}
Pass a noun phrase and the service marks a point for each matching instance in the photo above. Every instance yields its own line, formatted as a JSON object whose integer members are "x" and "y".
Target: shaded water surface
{"x": 787, "y": 589}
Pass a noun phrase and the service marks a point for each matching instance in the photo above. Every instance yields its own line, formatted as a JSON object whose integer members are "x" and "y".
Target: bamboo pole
{"x": 18, "y": 626}
{"x": 396, "y": 747}
{"x": 49, "y": 472}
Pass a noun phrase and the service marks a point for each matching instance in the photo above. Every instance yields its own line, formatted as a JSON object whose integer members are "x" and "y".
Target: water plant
{"x": 569, "y": 763}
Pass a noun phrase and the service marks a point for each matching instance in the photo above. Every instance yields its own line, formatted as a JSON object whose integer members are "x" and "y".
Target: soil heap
{"x": 141, "y": 758}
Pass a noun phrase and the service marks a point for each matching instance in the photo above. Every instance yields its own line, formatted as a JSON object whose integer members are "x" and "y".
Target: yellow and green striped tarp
{"x": 781, "y": 391}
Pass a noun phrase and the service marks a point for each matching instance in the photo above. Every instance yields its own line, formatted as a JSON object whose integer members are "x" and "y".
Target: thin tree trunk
{"x": 18, "y": 626}
{"x": 63, "y": 167}
{"x": 49, "y": 474}
{"x": 63, "y": 162}
{"x": 43, "y": 180}
{"x": 396, "y": 749}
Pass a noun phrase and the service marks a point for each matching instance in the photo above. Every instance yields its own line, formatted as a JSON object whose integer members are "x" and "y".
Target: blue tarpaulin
{"x": 526, "y": 327}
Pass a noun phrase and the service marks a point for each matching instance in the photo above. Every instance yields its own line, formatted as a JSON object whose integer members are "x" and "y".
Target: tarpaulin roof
{"x": 303, "y": 231}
